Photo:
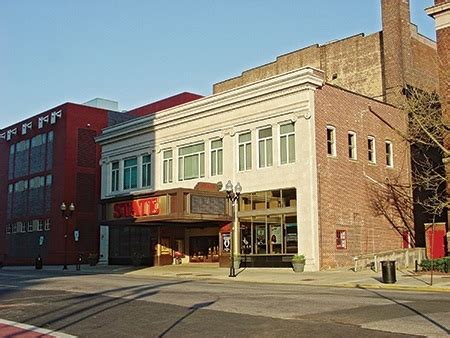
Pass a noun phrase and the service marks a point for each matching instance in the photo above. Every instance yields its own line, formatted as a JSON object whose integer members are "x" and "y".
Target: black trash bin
{"x": 38, "y": 263}
{"x": 388, "y": 271}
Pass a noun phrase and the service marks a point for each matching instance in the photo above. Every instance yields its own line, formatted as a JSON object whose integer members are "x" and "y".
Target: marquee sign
{"x": 142, "y": 207}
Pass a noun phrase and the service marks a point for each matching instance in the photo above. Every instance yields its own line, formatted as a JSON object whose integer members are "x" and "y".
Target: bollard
{"x": 38, "y": 263}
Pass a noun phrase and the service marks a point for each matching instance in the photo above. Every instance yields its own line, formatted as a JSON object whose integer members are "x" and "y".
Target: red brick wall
{"x": 344, "y": 193}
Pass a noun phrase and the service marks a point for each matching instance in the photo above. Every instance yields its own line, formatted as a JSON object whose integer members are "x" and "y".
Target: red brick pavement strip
{"x": 19, "y": 330}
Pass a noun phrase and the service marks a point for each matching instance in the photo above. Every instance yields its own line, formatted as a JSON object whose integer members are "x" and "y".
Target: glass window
{"x": 146, "y": 170}
{"x": 167, "y": 166}
{"x": 47, "y": 224}
{"x": 49, "y": 179}
{"x": 40, "y": 226}
{"x": 216, "y": 157}
{"x": 287, "y": 143}
{"x": 331, "y": 141}
{"x": 130, "y": 173}
{"x": 389, "y": 154}
{"x": 341, "y": 239}
{"x": 8, "y": 228}
{"x": 351, "y": 145}
{"x": 115, "y": 176}
{"x": 265, "y": 147}
{"x": 245, "y": 151}
{"x": 191, "y": 162}
{"x": 30, "y": 226}
{"x": 371, "y": 155}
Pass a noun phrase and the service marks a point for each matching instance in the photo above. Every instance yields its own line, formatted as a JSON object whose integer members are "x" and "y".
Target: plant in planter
{"x": 92, "y": 259}
{"x": 298, "y": 263}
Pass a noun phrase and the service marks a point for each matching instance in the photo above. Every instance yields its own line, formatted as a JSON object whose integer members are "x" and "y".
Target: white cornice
{"x": 441, "y": 15}
{"x": 298, "y": 80}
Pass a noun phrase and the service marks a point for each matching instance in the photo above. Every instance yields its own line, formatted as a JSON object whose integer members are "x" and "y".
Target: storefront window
{"x": 268, "y": 223}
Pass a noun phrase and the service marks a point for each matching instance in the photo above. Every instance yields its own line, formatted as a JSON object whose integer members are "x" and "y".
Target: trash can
{"x": 388, "y": 271}
{"x": 38, "y": 263}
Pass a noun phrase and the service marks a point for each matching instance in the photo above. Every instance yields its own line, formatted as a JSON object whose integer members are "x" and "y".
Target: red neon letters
{"x": 136, "y": 208}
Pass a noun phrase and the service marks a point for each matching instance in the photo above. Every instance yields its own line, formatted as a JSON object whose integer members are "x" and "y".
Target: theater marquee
{"x": 144, "y": 207}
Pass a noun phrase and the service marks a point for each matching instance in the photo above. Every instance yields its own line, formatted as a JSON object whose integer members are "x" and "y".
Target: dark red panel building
{"x": 50, "y": 159}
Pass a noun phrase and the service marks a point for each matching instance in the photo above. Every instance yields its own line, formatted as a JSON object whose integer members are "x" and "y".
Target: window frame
{"x": 115, "y": 176}
{"x": 266, "y": 142}
{"x": 47, "y": 224}
{"x": 246, "y": 152}
{"x": 146, "y": 171}
{"x": 167, "y": 166}
{"x": 331, "y": 141}
{"x": 352, "y": 146}
{"x": 289, "y": 140}
{"x": 341, "y": 239}
{"x": 200, "y": 155}
{"x": 128, "y": 170}
{"x": 371, "y": 149}
{"x": 216, "y": 158}
{"x": 389, "y": 149}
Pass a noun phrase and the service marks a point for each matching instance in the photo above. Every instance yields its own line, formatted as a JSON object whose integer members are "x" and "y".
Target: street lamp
{"x": 67, "y": 213}
{"x": 233, "y": 196}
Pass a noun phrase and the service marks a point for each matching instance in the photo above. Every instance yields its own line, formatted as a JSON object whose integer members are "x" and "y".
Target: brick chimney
{"x": 397, "y": 54}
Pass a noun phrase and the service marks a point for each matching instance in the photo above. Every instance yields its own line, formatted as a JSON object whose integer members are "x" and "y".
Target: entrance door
{"x": 204, "y": 249}
{"x": 436, "y": 244}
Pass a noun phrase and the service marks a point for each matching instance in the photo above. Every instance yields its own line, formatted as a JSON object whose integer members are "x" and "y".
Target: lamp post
{"x": 67, "y": 213}
{"x": 233, "y": 196}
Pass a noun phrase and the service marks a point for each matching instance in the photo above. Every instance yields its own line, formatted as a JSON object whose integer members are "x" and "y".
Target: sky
{"x": 139, "y": 51}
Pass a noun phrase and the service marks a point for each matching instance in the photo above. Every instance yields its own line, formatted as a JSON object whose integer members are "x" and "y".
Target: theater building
{"x": 306, "y": 153}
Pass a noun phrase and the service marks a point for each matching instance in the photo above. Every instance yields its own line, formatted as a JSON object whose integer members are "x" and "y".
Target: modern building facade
{"x": 306, "y": 153}
{"x": 50, "y": 159}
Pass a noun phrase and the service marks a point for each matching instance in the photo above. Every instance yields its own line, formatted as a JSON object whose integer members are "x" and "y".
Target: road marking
{"x": 6, "y": 325}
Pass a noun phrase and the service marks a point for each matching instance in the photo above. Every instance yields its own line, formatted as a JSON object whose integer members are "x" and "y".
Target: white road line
{"x": 36, "y": 329}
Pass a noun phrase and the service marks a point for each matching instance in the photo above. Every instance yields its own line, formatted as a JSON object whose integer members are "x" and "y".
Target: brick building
{"x": 49, "y": 159}
{"x": 307, "y": 154}
{"x": 441, "y": 13}
{"x": 379, "y": 65}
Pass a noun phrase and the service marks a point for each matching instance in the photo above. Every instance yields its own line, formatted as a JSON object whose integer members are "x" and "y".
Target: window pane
{"x": 263, "y": 133}
{"x": 262, "y": 155}
{"x": 287, "y": 128}
{"x": 283, "y": 149}
{"x": 291, "y": 139}
{"x": 248, "y": 159}
{"x": 167, "y": 154}
{"x": 241, "y": 157}
{"x": 216, "y": 144}
{"x": 269, "y": 152}
{"x": 244, "y": 137}
{"x": 220, "y": 162}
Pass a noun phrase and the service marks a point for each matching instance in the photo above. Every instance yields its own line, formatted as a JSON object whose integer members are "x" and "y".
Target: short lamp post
{"x": 233, "y": 196}
{"x": 66, "y": 213}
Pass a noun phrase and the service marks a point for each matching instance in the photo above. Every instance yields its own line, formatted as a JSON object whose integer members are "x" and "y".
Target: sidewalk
{"x": 406, "y": 279}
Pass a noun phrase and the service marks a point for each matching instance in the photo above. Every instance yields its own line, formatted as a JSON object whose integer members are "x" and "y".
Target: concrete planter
{"x": 298, "y": 266}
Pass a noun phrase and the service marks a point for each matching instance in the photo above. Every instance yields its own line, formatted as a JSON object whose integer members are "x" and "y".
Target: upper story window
{"x": 216, "y": 157}
{"x": 130, "y": 173}
{"x": 389, "y": 154}
{"x": 341, "y": 239}
{"x": 47, "y": 224}
{"x": 371, "y": 155}
{"x": 146, "y": 170}
{"x": 167, "y": 166}
{"x": 265, "y": 153}
{"x": 331, "y": 141}
{"x": 115, "y": 176}
{"x": 191, "y": 162}
{"x": 352, "y": 145}
{"x": 287, "y": 143}
{"x": 245, "y": 151}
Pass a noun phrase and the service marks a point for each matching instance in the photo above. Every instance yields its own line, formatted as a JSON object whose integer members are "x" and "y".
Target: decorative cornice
{"x": 285, "y": 84}
{"x": 441, "y": 15}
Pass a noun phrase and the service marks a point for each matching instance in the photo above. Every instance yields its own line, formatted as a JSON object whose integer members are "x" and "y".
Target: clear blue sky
{"x": 138, "y": 51}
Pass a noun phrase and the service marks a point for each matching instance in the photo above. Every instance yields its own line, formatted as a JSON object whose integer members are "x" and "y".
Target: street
{"x": 116, "y": 305}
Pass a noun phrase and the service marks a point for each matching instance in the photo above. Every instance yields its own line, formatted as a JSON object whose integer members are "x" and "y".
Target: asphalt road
{"x": 120, "y": 306}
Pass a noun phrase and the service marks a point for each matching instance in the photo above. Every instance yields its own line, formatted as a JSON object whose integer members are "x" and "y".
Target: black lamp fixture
{"x": 233, "y": 196}
{"x": 66, "y": 213}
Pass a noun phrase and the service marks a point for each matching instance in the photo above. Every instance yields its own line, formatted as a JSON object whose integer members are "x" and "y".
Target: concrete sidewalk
{"x": 406, "y": 279}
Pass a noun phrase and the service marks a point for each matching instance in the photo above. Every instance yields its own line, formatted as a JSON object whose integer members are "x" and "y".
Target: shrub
{"x": 298, "y": 258}
{"x": 440, "y": 264}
